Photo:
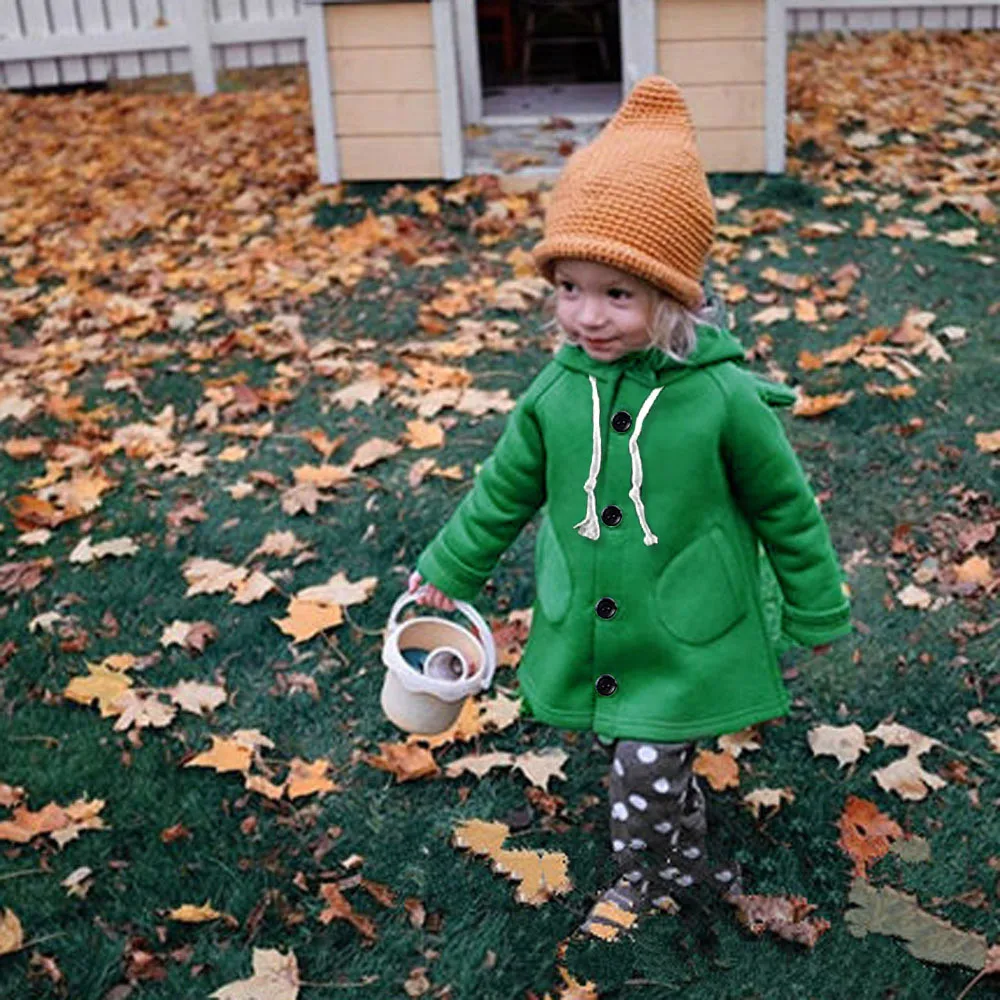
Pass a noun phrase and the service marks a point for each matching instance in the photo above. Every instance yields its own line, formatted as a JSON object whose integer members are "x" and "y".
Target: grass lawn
{"x": 176, "y": 319}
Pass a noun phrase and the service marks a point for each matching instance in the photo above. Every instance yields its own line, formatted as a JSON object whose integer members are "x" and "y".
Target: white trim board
{"x": 776, "y": 54}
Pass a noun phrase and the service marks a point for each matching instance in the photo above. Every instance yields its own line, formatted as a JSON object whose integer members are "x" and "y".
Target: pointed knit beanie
{"x": 636, "y": 198}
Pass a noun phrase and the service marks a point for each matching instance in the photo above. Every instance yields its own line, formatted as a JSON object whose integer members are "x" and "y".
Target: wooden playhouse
{"x": 396, "y": 84}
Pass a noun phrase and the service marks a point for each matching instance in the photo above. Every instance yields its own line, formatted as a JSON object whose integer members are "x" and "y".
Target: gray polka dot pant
{"x": 658, "y": 821}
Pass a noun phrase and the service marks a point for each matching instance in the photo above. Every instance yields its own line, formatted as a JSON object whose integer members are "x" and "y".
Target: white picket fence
{"x": 881, "y": 16}
{"x": 46, "y": 43}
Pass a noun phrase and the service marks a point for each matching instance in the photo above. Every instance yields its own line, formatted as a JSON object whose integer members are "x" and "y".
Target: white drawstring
{"x": 633, "y": 447}
{"x": 590, "y": 527}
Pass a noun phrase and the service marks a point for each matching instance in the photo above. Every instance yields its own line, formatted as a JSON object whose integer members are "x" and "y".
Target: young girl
{"x": 660, "y": 465}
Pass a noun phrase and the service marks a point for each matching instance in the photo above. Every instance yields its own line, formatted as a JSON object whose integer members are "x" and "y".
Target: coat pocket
{"x": 700, "y": 595}
{"x": 552, "y": 579}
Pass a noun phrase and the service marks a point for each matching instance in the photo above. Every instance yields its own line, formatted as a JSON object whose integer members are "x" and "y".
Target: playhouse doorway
{"x": 538, "y": 78}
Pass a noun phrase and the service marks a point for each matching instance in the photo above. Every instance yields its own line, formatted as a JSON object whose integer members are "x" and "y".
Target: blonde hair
{"x": 671, "y": 327}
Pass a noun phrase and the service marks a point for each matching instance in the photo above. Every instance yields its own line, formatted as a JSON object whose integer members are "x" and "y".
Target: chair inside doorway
{"x": 541, "y": 57}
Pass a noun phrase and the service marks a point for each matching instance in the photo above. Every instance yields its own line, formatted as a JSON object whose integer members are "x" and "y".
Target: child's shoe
{"x": 617, "y": 909}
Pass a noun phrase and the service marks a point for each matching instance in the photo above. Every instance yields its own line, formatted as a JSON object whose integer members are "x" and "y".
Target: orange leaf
{"x": 865, "y": 833}
{"x": 720, "y": 769}
{"x": 308, "y": 618}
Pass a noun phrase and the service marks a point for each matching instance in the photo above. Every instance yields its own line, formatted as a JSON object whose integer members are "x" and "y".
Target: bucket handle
{"x": 485, "y": 632}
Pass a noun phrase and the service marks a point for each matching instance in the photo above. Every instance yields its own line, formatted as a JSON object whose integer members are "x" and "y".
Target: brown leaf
{"x": 786, "y": 916}
{"x": 339, "y": 908}
{"x": 865, "y": 833}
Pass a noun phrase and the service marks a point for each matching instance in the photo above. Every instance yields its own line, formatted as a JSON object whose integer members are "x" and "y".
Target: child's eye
{"x": 566, "y": 286}
{"x": 620, "y": 293}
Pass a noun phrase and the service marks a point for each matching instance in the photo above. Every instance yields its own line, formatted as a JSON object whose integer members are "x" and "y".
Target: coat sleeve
{"x": 509, "y": 489}
{"x": 770, "y": 487}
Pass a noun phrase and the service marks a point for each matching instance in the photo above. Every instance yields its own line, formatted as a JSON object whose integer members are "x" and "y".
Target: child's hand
{"x": 429, "y": 594}
{"x": 820, "y": 650}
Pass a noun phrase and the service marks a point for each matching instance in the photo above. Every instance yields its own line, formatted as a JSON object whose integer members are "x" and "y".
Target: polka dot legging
{"x": 658, "y": 819}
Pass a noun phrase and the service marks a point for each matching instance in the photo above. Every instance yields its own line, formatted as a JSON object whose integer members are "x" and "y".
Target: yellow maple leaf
{"x": 308, "y": 618}
{"x": 225, "y": 754}
{"x": 102, "y": 685}
{"x": 306, "y": 778}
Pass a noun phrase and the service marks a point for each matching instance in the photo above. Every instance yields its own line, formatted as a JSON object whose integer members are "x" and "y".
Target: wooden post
{"x": 446, "y": 67}
{"x": 321, "y": 95}
{"x": 775, "y": 73}
{"x": 200, "y": 44}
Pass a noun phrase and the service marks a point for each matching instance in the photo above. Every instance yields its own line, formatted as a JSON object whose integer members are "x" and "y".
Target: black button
{"x": 606, "y": 608}
{"x": 621, "y": 421}
{"x": 611, "y": 515}
{"x": 606, "y": 685}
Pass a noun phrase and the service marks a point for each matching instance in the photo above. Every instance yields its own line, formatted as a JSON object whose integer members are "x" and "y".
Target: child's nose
{"x": 591, "y": 313}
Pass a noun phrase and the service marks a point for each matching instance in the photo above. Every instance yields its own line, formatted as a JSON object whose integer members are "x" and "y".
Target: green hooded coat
{"x": 658, "y": 478}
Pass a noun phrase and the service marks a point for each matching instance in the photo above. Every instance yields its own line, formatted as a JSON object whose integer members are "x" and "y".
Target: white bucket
{"x": 415, "y": 702}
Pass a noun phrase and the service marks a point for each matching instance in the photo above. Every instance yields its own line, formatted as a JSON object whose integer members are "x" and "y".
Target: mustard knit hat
{"x": 636, "y": 198}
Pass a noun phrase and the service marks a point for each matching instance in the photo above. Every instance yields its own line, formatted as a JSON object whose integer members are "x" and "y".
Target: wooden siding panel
{"x": 390, "y": 25}
{"x": 696, "y": 19}
{"x": 732, "y": 150}
{"x": 382, "y": 70}
{"x": 726, "y": 105}
{"x": 729, "y": 61}
{"x": 373, "y": 158}
{"x": 387, "y": 114}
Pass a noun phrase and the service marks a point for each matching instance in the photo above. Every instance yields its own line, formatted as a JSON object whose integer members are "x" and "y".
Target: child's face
{"x": 604, "y": 310}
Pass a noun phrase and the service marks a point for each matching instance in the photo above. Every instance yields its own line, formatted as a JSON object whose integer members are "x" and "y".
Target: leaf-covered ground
{"x": 234, "y": 407}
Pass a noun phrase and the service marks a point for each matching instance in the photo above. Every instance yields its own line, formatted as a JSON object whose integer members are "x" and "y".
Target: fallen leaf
{"x": 188, "y": 913}
{"x": 884, "y": 910}
{"x": 142, "y": 709}
{"x": 339, "y": 908}
{"x": 226, "y": 754}
{"x": 196, "y": 696}
{"x": 253, "y": 588}
{"x": 101, "y": 684}
{"x": 11, "y": 934}
{"x": 211, "y": 576}
{"x": 306, "y": 619}
{"x": 339, "y": 590}
{"x": 865, "y": 833}
{"x": 907, "y": 778}
{"x": 816, "y": 406}
{"x": 407, "y": 761}
{"x": 275, "y": 977}
{"x": 540, "y": 874}
{"x": 305, "y": 778}
{"x": 719, "y": 769}
{"x": 192, "y": 636}
{"x": 767, "y": 798}
{"x": 771, "y": 315}
{"x": 912, "y": 596}
{"x": 786, "y": 916}
{"x": 846, "y": 743}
